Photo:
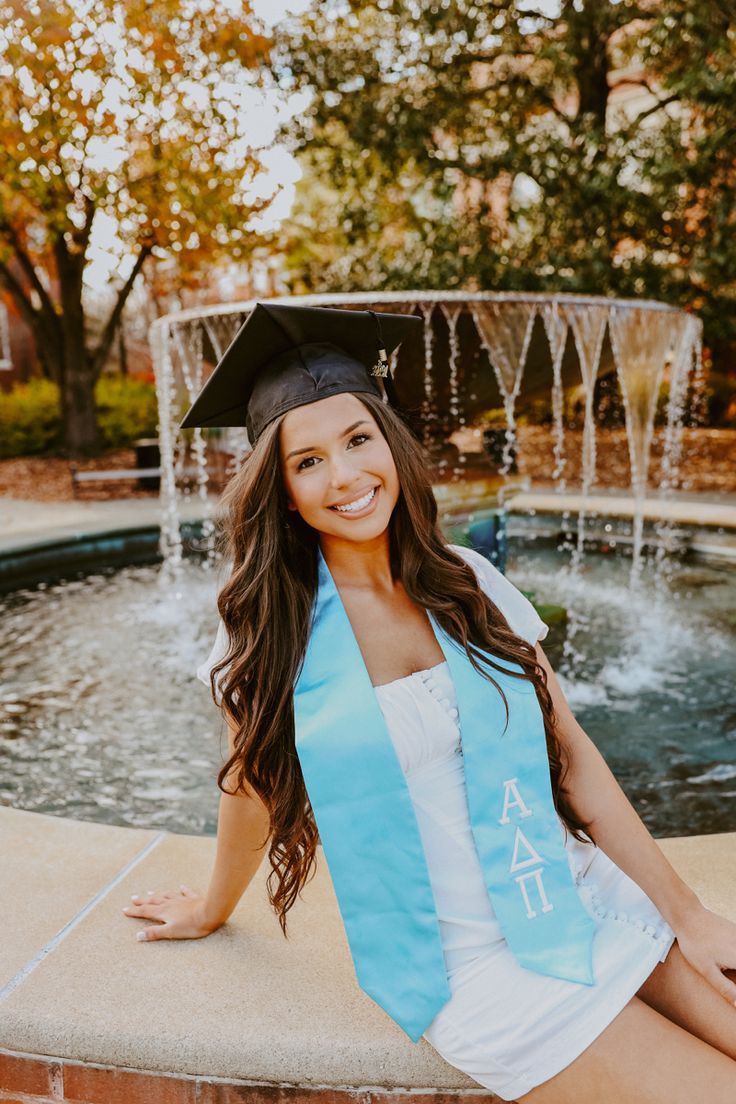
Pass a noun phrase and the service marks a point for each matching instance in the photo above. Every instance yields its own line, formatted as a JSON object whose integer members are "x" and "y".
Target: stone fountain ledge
{"x": 686, "y": 511}
{"x": 89, "y": 1014}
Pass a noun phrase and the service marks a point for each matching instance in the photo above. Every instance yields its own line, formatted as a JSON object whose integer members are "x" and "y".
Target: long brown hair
{"x": 266, "y": 605}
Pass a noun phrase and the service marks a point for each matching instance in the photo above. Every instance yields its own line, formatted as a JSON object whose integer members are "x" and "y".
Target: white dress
{"x": 507, "y": 1027}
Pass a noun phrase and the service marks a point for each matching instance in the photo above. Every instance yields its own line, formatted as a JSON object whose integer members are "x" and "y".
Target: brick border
{"x": 42, "y": 1079}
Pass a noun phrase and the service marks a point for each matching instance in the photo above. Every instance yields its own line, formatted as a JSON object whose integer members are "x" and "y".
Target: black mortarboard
{"x": 284, "y": 356}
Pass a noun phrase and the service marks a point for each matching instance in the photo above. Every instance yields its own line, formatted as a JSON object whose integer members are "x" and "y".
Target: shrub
{"x": 30, "y": 418}
{"x": 30, "y": 414}
{"x": 126, "y": 410}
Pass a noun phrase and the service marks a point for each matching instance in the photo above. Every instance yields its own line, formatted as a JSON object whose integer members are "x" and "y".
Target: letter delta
{"x": 513, "y": 799}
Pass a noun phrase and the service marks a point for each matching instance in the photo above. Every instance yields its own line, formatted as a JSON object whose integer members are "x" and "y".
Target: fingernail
{"x": 141, "y": 935}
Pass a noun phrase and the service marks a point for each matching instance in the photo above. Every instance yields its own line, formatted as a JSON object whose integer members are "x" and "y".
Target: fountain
{"x": 479, "y": 351}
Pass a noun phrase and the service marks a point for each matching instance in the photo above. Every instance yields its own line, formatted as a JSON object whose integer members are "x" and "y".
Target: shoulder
{"x": 218, "y": 651}
{"x": 521, "y": 615}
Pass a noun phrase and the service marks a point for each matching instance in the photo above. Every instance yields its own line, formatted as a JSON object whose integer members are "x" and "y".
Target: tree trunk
{"x": 67, "y": 363}
{"x": 588, "y": 30}
{"x": 79, "y": 417}
{"x": 122, "y": 352}
{"x": 79, "y": 371}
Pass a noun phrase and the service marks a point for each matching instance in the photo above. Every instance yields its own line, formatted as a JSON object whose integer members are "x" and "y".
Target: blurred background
{"x": 164, "y": 156}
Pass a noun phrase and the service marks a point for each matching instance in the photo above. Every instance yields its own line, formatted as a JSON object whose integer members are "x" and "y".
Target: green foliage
{"x": 30, "y": 415}
{"x": 126, "y": 410}
{"x": 492, "y": 146}
{"x": 30, "y": 418}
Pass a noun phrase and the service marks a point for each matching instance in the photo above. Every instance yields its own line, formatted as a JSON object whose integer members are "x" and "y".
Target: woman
{"x": 594, "y": 974}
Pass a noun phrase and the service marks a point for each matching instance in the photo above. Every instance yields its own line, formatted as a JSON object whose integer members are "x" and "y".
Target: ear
{"x": 290, "y": 505}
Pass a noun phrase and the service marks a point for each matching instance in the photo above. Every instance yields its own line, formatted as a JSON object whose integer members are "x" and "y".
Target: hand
{"x": 708, "y": 942}
{"x": 180, "y": 915}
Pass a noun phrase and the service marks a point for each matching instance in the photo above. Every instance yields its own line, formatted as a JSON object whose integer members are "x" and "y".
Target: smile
{"x": 357, "y": 504}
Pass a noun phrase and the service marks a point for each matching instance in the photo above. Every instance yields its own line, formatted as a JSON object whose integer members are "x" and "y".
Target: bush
{"x": 126, "y": 410}
{"x": 30, "y": 418}
{"x": 30, "y": 414}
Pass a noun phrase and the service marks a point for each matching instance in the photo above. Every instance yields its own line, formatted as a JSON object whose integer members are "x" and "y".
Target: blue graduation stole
{"x": 370, "y": 836}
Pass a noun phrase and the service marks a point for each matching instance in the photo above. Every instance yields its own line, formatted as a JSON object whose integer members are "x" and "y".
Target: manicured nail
{"x": 141, "y": 935}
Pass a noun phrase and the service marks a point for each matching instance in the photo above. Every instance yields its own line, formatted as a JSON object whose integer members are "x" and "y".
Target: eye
{"x": 360, "y": 437}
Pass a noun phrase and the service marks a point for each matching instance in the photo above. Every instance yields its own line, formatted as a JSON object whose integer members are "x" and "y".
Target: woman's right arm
{"x": 242, "y": 838}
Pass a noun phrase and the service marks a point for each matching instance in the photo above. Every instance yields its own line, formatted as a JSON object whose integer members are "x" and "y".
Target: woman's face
{"x": 338, "y": 470}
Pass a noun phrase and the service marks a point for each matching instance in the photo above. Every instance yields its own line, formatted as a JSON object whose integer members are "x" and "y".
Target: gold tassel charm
{"x": 380, "y": 368}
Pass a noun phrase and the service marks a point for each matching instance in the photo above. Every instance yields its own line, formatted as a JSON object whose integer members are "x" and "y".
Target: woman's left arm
{"x": 707, "y": 940}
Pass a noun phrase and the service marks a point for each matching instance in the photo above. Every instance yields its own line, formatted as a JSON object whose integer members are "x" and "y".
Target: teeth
{"x": 358, "y": 504}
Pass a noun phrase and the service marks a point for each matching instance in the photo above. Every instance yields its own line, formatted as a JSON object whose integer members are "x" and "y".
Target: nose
{"x": 343, "y": 472}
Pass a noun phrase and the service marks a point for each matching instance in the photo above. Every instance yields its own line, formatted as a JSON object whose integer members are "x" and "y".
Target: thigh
{"x": 679, "y": 992}
{"x": 641, "y": 1058}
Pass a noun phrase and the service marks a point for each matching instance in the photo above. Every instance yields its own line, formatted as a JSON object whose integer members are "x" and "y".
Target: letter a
{"x": 510, "y": 786}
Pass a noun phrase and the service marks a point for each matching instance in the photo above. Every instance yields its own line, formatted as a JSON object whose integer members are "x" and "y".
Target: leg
{"x": 641, "y": 1058}
{"x": 680, "y": 993}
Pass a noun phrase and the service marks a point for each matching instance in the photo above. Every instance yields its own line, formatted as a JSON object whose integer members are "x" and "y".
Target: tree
{"x": 558, "y": 183}
{"x": 134, "y": 110}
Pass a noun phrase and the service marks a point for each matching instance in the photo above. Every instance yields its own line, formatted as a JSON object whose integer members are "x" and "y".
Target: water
{"x": 112, "y": 725}
{"x": 648, "y": 674}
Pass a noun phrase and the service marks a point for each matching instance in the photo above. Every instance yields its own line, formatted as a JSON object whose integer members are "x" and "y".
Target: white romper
{"x": 507, "y": 1027}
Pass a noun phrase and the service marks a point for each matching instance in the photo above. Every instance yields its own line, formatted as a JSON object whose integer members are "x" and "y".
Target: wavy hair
{"x": 266, "y": 605}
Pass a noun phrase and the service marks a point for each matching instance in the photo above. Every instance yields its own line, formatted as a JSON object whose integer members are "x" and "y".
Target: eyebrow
{"x": 314, "y": 448}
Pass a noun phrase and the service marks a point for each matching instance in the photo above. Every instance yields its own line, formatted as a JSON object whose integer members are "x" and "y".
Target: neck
{"x": 362, "y": 565}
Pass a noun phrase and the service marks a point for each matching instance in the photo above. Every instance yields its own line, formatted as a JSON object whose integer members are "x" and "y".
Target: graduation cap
{"x": 284, "y": 356}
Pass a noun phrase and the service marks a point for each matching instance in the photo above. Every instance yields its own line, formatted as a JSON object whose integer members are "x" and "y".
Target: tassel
{"x": 380, "y": 368}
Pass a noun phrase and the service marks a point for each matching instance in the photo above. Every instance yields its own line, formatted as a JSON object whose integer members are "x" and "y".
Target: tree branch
{"x": 29, "y": 269}
{"x": 99, "y": 356}
{"x": 517, "y": 79}
{"x": 16, "y": 289}
{"x": 633, "y": 126}
{"x": 81, "y": 237}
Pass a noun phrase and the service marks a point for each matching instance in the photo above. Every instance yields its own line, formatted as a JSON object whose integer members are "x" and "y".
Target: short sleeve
{"x": 217, "y": 652}
{"x": 521, "y": 615}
